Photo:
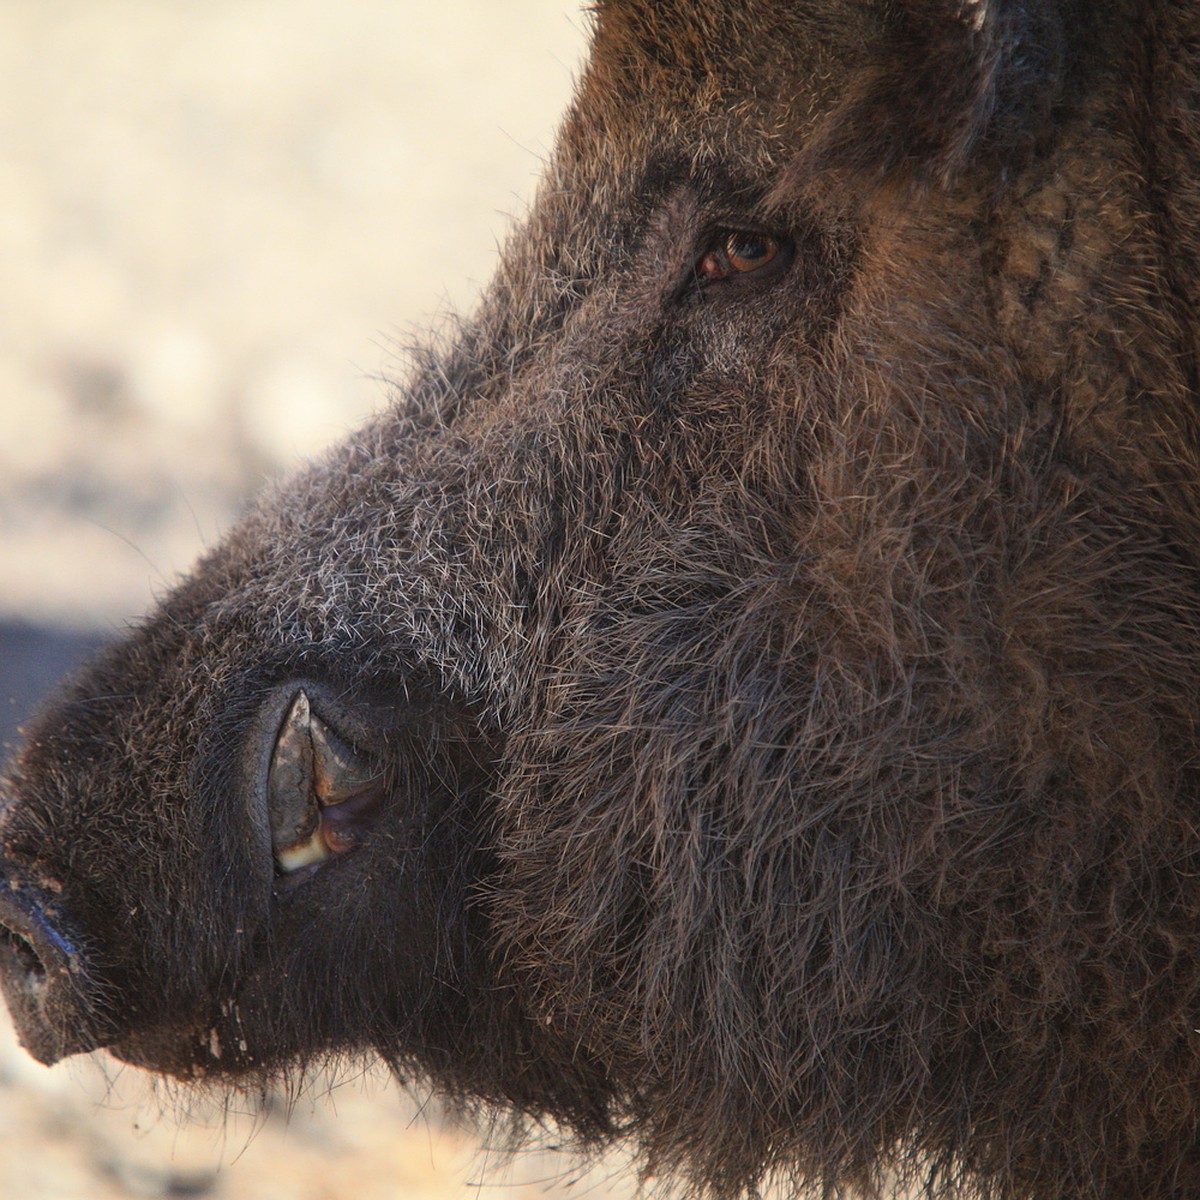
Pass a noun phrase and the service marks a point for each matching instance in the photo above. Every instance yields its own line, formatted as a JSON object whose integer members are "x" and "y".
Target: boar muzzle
{"x": 44, "y": 972}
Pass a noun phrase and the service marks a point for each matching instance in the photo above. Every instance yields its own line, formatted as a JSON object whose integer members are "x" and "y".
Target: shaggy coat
{"x": 765, "y": 640}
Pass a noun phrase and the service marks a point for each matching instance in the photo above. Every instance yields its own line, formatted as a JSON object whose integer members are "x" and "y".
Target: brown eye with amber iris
{"x": 738, "y": 253}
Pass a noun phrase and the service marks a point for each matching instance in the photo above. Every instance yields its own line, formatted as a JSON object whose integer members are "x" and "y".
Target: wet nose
{"x": 44, "y": 972}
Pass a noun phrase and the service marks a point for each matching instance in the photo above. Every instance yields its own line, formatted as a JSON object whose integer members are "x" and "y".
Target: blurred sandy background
{"x": 216, "y": 216}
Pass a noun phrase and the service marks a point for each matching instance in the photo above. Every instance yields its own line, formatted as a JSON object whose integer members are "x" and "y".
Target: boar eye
{"x": 321, "y": 792}
{"x": 749, "y": 251}
{"x": 735, "y": 253}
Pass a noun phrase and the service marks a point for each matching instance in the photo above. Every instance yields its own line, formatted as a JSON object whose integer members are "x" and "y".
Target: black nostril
{"x": 44, "y": 972}
{"x": 24, "y": 953}
{"x": 35, "y": 932}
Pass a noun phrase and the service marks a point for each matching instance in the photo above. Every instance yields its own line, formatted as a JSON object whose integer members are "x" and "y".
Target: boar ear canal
{"x": 948, "y": 82}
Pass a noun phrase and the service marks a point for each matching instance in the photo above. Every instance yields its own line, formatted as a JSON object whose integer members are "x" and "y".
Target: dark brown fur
{"x": 791, "y": 688}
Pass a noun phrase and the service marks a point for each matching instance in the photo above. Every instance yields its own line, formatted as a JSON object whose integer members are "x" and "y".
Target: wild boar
{"x": 744, "y": 695}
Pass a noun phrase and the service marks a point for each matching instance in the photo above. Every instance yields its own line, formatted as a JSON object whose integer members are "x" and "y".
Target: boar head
{"x": 744, "y": 692}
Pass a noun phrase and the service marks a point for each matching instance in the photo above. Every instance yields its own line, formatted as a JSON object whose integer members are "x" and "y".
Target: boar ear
{"x": 947, "y": 81}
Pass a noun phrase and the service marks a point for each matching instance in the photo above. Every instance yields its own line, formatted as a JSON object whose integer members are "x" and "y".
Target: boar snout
{"x": 44, "y": 972}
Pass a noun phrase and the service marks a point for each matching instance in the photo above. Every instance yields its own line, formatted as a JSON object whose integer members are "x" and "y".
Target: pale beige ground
{"x": 90, "y": 1130}
{"x": 214, "y": 218}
